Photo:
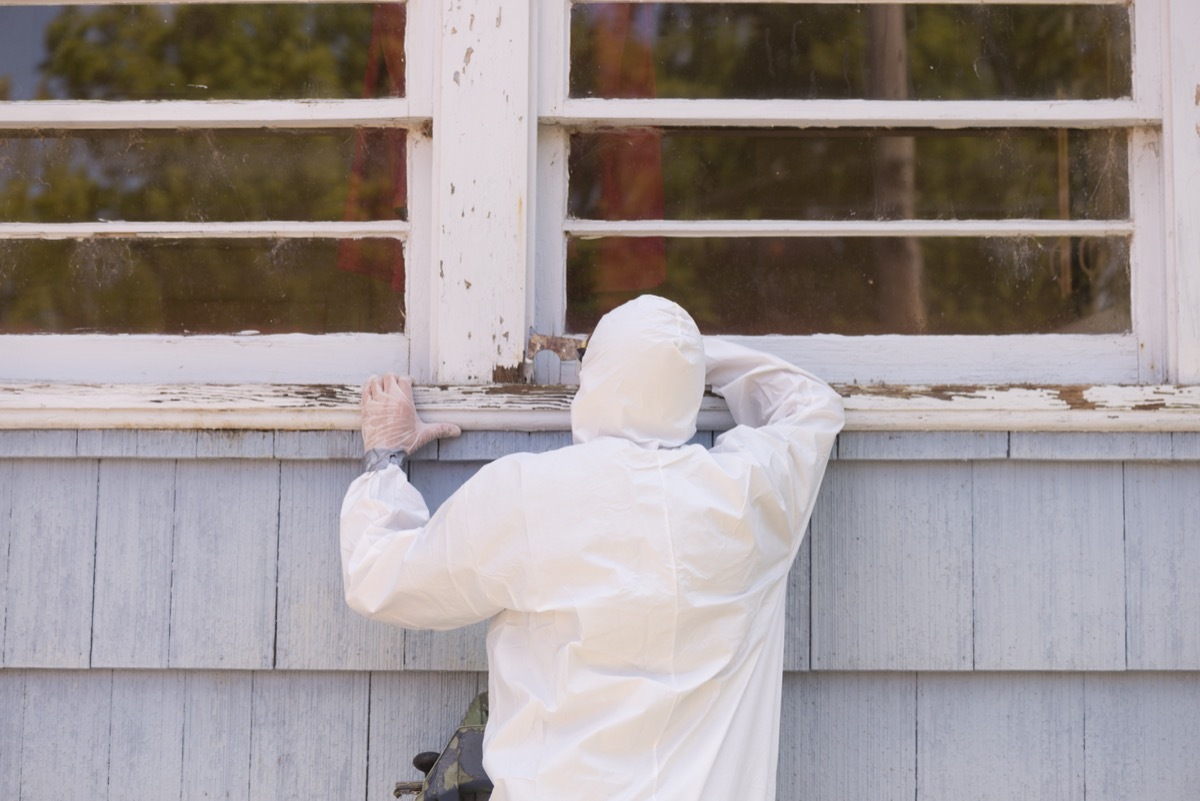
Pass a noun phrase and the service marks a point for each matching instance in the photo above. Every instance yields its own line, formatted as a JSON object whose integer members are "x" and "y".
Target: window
{"x": 893, "y": 192}
{"x": 951, "y": 192}
{"x": 205, "y": 192}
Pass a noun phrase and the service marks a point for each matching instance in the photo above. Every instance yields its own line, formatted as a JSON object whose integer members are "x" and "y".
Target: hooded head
{"x": 642, "y": 377}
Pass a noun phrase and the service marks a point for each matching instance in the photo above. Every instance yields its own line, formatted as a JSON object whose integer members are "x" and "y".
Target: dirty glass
{"x": 197, "y": 176}
{"x": 202, "y": 51}
{"x": 201, "y": 286}
{"x": 844, "y": 285}
{"x": 810, "y": 51}
{"x": 848, "y": 174}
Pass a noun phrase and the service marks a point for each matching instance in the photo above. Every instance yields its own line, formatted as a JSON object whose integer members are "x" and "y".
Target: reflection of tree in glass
{"x": 829, "y": 285}
{"x": 221, "y": 51}
{"x": 795, "y": 50}
{"x": 821, "y": 51}
{"x": 209, "y": 52}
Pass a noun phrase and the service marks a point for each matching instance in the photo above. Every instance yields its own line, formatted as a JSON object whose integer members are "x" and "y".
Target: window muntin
{"x": 203, "y": 217}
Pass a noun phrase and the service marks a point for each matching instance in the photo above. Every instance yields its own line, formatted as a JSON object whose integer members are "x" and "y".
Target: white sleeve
{"x": 405, "y": 568}
{"x": 786, "y": 418}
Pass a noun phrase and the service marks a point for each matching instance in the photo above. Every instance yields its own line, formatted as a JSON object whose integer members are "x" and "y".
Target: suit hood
{"x": 642, "y": 377}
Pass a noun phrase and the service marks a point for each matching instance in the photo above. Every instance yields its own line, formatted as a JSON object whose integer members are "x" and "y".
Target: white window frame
{"x": 486, "y": 249}
{"x": 243, "y": 358}
{"x": 1143, "y": 356}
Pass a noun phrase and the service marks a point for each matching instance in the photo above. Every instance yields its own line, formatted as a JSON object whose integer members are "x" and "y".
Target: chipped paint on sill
{"x": 525, "y": 407}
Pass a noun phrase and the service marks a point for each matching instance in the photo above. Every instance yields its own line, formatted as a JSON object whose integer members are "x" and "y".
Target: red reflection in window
{"x": 365, "y": 198}
{"x": 631, "y": 181}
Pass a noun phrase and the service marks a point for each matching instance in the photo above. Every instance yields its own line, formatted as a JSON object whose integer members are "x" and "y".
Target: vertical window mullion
{"x": 1182, "y": 147}
{"x": 1147, "y": 255}
{"x": 483, "y": 123}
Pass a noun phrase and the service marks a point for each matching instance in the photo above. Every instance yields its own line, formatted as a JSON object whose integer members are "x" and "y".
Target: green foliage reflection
{"x": 235, "y": 51}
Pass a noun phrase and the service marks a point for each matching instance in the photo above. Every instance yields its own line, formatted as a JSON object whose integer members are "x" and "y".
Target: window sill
{"x": 294, "y": 407}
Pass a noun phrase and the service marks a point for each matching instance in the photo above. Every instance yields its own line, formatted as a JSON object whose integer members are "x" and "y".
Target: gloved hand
{"x": 389, "y": 418}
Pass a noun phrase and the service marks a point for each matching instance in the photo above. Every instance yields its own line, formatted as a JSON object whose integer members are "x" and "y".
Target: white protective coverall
{"x": 635, "y": 584}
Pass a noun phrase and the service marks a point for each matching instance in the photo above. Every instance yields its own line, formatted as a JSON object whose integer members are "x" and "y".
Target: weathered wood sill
{"x": 534, "y": 408}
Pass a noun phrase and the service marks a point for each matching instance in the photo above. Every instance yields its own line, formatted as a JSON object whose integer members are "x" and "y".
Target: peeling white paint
{"x": 525, "y": 408}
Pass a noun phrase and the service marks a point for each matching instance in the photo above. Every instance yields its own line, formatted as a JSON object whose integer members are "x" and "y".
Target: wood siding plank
{"x": 542, "y": 441}
{"x": 316, "y": 629}
{"x": 998, "y": 737}
{"x": 216, "y": 736}
{"x": 319, "y": 444}
{"x": 1162, "y": 549}
{"x": 848, "y": 736}
{"x": 52, "y": 548}
{"x": 891, "y": 568}
{"x": 107, "y": 443}
{"x": 309, "y": 735}
{"x": 38, "y": 444}
{"x": 413, "y": 712}
{"x": 235, "y": 444}
{"x": 1143, "y": 735}
{"x": 65, "y": 734}
{"x": 12, "y": 724}
{"x": 1089, "y": 446}
{"x": 145, "y": 741}
{"x": 482, "y": 445}
{"x": 223, "y": 585}
{"x": 797, "y": 612}
{"x": 457, "y": 649}
{"x": 166, "y": 444}
{"x": 132, "y": 619}
{"x": 1185, "y": 445}
{"x": 437, "y": 481}
{"x": 7, "y": 468}
{"x": 922, "y": 445}
{"x": 1049, "y": 567}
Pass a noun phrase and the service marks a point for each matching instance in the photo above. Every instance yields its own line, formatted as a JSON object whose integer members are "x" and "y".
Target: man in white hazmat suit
{"x": 635, "y": 584}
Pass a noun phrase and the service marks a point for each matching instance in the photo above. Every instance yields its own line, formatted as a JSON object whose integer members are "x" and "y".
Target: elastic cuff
{"x": 379, "y": 458}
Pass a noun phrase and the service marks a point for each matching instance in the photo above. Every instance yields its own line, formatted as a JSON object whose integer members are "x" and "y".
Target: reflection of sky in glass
{"x": 22, "y": 47}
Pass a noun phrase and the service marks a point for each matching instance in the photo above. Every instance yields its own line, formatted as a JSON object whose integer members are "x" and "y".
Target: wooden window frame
{"x": 242, "y": 358}
{"x": 1149, "y": 354}
{"x": 486, "y": 250}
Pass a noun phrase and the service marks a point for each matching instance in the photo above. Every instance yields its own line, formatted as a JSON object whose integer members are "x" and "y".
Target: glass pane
{"x": 848, "y": 174}
{"x": 201, "y": 286}
{"x": 227, "y": 175}
{"x": 791, "y": 50}
{"x": 201, "y": 52}
{"x": 840, "y": 285}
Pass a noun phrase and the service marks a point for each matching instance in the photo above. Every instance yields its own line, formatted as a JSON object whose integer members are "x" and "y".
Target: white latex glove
{"x": 389, "y": 418}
